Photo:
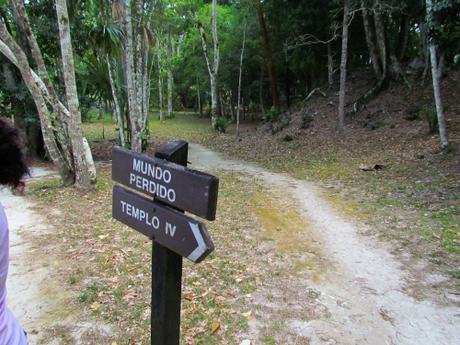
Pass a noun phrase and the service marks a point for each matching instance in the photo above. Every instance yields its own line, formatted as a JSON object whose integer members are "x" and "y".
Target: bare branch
{"x": 310, "y": 39}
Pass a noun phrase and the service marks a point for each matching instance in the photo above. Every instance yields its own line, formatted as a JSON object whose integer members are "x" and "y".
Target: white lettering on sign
{"x": 148, "y": 169}
{"x": 152, "y": 187}
{"x": 140, "y": 215}
{"x": 170, "y": 229}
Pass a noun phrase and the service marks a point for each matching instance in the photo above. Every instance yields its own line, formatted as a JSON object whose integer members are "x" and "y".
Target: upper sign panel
{"x": 173, "y": 184}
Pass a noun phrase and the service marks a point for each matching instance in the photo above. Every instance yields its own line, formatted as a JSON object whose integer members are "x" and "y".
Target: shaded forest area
{"x": 134, "y": 61}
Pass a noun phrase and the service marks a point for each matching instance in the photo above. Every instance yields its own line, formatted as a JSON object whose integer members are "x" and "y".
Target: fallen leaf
{"x": 215, "y": 327}
{"x": 247, "y": 315}
{"x": 189, "y": 296}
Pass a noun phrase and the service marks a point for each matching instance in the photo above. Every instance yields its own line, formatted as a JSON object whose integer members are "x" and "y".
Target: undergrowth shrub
{"x": 431, "y": 117}
{"x": 307, "y": 119}
{"x": 272, "y": 115}
{"x": 222, "y": 124}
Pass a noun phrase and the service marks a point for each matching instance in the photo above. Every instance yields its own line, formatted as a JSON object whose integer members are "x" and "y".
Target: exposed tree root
{"x": 374, "y": 91}
{"x": 312, "y": 93}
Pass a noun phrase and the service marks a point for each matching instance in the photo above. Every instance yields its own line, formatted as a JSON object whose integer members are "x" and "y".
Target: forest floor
{"x": 309, "y": 247}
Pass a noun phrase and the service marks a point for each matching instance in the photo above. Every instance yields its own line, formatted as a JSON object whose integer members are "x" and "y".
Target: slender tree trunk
{"x": 343, "y": 65}
{"x": 198, "y": 94}
{"x": 222, "y": 106}
{"x": 268, "y": 56}
{"x": 239, "y": 82}
{"x": 381, "y": 37}
{"x": 139, "y": 48}
{"x": 83, "y": 163}
{"x": 426, "y": 50}
{"x": 119, "y": 118}
{"x": 214, "y": 68}
{"x": 373, "y": 52}
{"x": 216, "y": 61}
{"x": 330, "y": 67}
{"x": 214, "y": 105}
{"x": 232, "y": 107}
{"x": 261, "y": 89}
{"x": 170, "y": 76}
{"x": 160, "y": 83}
{"x": 435, "y": 77}
{"x": 147, "y": 87}
{"x": 403, "y": 36}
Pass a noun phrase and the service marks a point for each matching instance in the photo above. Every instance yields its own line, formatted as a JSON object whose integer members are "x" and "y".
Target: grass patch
{"x": 110, "y": 274}
{"x": 448, "y": 228}
{"x": 184, "y": 126}
{"x": 45, "y": 189}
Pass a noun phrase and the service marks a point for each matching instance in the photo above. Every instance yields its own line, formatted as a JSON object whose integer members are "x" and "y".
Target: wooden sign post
{"x": 174, "y": 189}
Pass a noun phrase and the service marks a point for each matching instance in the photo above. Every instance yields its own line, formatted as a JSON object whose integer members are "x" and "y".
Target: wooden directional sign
{"x": 173, "y": 230}
{"x": 173, "y": 184}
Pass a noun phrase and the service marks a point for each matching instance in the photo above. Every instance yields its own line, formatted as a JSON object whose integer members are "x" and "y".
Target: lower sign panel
{"x": 173, "y": 230}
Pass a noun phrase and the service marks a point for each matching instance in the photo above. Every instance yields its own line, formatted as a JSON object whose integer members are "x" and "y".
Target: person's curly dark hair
{"x": 13, "y": 164}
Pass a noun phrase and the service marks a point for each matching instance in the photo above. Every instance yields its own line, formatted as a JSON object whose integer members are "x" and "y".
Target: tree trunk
{"x": 373, "y": 53}
{"x": 330, "y": 67}
{"x": 268, "y": 56}
{"x": 83, "y": 163}
{"x": 403, "y": 36}
{"x": 436, "y": 85}
{"x": 16, "y": 55}
{"x": 160, "y": 83}
{"x": 261, "y": 89}
{"x": 381, "y": 37}
{"x": 343, "y": 65}
{"x": 198, "y": 94}
{"x": 47, "y": 87}
{"x": 119, "y": 118}
{"x": 214, "y": 68}
{"x": 170, "y": 76}
{"x": 131, "y": 82}
{"x": 239, "y": 82}
{"x": 214, "y": 105}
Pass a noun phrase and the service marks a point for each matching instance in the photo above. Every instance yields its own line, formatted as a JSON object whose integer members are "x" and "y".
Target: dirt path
{"x": 36, "y": 294}
{"x": 356, "y": 295}
{"x": 26, "y": 277}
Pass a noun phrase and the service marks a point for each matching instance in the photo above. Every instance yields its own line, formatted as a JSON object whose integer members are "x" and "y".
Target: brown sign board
{"x": 173, "y": 230}
{"x": 189, "y": 190}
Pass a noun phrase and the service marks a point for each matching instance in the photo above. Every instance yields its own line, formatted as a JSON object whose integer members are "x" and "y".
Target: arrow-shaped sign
{"x": 176, "y": 231}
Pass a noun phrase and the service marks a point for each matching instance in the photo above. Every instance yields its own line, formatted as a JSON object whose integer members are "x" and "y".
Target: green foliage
{"x": 307, "y": 119}
{"x": 272, "y": 115}
{"x": 222, "y": 124}
{"x": 145, "y": 136}
{"x": 431, "y": 117}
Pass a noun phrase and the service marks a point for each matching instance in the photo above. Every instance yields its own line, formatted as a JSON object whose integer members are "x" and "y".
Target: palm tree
{"x": 107, "y": 39}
